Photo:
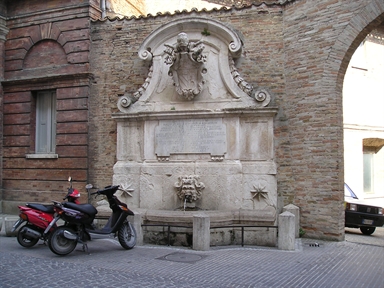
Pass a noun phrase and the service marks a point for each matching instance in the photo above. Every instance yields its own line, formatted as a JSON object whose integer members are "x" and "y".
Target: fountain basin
{"x": 218, "y": 217}
{"x": 225, "y": 226}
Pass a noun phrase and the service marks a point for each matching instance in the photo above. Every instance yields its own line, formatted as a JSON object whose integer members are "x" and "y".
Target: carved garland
{"x": 126, "y": 100}
{"x": 243, "y": 85}
{"x": 261, "y": 96}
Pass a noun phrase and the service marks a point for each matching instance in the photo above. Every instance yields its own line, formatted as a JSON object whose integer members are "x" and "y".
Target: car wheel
{"x": 367, "y": 230}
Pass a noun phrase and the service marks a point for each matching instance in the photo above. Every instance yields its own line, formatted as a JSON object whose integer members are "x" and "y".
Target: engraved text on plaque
{"x": 190, "y": 136}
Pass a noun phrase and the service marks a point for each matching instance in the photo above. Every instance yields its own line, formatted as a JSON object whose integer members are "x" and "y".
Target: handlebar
{"x": 106, "y": 190}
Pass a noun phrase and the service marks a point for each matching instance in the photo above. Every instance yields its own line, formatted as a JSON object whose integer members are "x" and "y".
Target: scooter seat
{"x": 43, "y": 208}
{"x": 85, "y": 208}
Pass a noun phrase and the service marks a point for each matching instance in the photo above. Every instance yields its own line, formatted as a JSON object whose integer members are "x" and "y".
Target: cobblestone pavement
{"x": 331, "y": 264}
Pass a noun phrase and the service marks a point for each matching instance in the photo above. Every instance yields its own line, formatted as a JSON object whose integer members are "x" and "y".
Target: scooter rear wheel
{"x": 24, "y": 240}
{"x": 127, "y": 235}
{"x": 59, "y": 244}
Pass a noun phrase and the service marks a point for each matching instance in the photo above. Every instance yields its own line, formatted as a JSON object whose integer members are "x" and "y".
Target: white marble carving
{"x": 187, "y": 66}
{"x": 189, "y": 189}
{"x": 190, "y": 136}
{"x": 262, "y": 97}
{"x": 125, "y": 101}
{"x": 196, "y": 115}
{"x": 243, "y": 85}
{"x": 199, "y": 59}
{"x": 261, "y": 193}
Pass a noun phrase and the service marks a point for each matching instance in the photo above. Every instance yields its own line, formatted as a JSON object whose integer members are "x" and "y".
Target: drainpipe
{"x": 103, "y": 13}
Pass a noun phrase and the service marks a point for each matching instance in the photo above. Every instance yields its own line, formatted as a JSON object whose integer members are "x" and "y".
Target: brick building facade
{"x": 297, "y": 49}
{"x": 46, "y": 51}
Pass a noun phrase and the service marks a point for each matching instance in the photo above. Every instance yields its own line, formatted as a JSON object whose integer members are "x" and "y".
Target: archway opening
{"x": 363, "y": 105}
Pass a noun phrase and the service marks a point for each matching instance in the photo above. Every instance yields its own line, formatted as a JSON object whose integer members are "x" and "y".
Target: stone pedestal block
{"x": 201, "y": 232}
{"x": 136, "y": 221}
{"x": 286, "y": 239}
{"x": 8, "y": 224}
{"x": 295, "y": 211}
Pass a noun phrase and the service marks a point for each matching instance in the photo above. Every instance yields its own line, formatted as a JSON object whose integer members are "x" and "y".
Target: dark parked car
{"x": 359, "y": 214}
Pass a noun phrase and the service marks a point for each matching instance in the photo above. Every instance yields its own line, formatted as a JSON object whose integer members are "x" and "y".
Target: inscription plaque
{"x": 190, "y": 136}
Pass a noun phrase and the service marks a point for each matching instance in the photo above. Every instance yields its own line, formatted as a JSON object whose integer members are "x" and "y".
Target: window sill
{"x": 41, "y": 156}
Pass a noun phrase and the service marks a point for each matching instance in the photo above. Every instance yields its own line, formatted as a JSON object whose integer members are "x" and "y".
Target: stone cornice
{"x": 51, "y": 78}
{"x": 80, "y": 10}
{"x": 3, "y": 29}
{"x": 164, "y": 115}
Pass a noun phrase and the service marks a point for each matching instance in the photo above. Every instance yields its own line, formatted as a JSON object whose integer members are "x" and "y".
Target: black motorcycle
{"x": 79, "y": 227}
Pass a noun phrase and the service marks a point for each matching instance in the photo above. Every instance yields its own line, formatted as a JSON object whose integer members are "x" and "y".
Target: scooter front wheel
{"x": 59, "y": 244}
{"x": 25, "y": 240}
{"x": 127, "y": 235}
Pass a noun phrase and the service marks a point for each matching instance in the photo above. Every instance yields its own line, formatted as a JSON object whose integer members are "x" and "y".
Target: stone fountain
{"x": 197, "y": 138}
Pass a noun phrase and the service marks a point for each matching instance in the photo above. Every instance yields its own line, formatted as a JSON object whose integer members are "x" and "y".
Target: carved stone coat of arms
{"x": 187, "y": 66}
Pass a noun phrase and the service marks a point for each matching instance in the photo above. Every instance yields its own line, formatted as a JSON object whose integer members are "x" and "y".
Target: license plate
{"x": 367, "y": 222}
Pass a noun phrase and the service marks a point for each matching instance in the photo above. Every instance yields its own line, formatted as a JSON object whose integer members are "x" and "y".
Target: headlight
{"x": 352, "y": 207}
{"x": 381, "y": 211}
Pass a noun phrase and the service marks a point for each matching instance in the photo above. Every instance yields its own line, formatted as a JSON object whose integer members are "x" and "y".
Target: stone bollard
{"x": 295, "y": 211}
{"x": 136, "y": 221}
{"x": 286, "y": 239}
{"x": 8, "y": 224}
{"x": 201, "y": 232}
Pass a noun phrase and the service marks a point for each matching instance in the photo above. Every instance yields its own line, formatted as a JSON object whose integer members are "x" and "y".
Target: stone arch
{"x": 341, "y": 53}
{"x": 337, "y": 63}
{"x": 45, "y": 53}
{"x": 347, "y": 42}
{"x": 327, "y": 84}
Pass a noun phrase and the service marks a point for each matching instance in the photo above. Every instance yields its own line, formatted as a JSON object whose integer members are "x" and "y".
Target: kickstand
{"x": 85, "y": 248}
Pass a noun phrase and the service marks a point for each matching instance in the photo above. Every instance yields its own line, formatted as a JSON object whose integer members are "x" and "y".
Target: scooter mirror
{"x": 88, "y": 186}
{"x": 69, "y": 179}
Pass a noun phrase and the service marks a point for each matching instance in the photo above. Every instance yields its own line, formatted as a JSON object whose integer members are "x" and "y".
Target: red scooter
{"x": 38, "y": 217}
